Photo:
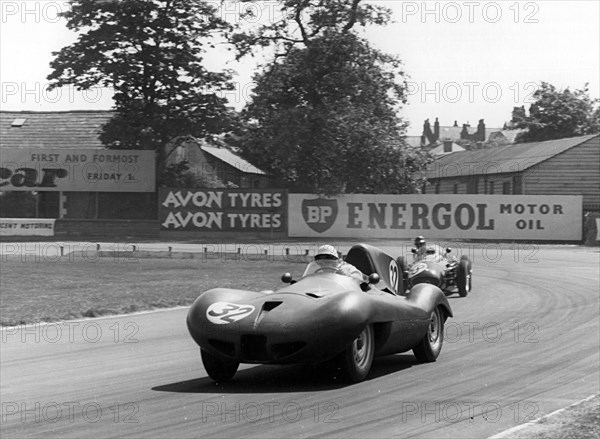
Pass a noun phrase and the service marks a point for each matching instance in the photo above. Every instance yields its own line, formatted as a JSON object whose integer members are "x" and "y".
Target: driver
{"x": 421, "y": 248}
{"x": 327, "y": 257}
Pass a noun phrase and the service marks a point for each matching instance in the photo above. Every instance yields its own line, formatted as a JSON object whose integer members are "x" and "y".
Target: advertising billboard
{"x": 77, "y": 170}
{"x": 239, "y": 210}
{"x": 520, "y": 217}
{"x": 27, "y": 227}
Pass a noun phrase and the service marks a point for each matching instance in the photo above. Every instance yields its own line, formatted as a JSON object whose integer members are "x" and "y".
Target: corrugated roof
{"x": 232, "y": 159}
{"x": 505, "y": 159}
{"x": 53, "y": 129}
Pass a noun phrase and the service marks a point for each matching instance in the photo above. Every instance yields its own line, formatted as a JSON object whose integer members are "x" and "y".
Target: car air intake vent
{"x": 268, "y": 306}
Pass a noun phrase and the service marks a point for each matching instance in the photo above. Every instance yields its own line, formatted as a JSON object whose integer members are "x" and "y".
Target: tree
{"x": 556, "y": 114}
{"x": 323, "y": 116}
{"x": 150, "y": 52}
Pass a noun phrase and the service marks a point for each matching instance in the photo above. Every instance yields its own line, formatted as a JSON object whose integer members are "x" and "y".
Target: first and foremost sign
{"x": 257, "y": 210}
{"x": 77, "y": 170}
{"x": 535, "y": 217}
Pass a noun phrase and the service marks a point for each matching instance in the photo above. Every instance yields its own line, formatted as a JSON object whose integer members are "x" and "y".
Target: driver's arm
{"x": 351, "y": 270}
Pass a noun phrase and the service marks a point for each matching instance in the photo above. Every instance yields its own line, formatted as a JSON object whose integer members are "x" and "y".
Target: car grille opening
{"x": 254, "y": 347}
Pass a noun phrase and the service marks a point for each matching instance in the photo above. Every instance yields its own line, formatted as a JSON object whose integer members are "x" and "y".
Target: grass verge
{"x": 67, "y": 288}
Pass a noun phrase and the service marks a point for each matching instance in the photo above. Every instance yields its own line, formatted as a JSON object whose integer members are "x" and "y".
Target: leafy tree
{"x": 557, "y": 114}
{"x": 323, "y": 116}
{"x": 150, "y": 52}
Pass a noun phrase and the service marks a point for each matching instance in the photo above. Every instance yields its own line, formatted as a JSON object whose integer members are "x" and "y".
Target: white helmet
{"x": 326, "y": 252}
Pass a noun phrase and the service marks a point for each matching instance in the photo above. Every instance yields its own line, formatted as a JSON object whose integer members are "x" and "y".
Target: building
{"x": 443, "y": 139}
{"x": 216, "y": 164}
{"x": 79, "y": 131}
{"x": 568, "y": 166}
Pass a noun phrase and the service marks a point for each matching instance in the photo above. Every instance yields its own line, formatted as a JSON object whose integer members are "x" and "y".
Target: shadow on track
{"x": 282, "y": 379}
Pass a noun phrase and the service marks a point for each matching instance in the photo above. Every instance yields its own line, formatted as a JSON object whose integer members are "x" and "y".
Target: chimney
{"x": 455, "y": 124}
{"x": 447, "y": 145}
{"x": 481, "y": 131}
{"x": 436, "y": 129}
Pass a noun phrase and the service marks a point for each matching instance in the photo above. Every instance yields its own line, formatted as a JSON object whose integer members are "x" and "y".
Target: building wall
{"x": 574, "y": 172}
{"x": 497, "y": 184}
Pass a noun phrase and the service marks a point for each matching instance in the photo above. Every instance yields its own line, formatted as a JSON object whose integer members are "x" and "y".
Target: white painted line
{"x": 518, "y": 428}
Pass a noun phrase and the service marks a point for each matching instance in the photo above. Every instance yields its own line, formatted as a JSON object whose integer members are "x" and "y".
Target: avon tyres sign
{"x": 436, "y": 216}
{"x": 76, "y": 170}
{"x": 257, "y": 210}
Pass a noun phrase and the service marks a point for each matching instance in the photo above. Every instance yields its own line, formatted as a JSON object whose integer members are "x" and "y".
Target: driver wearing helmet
{"x": 327, "y": 258}
{"x": 420, "y": 247}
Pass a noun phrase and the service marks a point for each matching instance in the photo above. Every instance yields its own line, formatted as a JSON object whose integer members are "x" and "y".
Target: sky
{"x": 464, "y": 60}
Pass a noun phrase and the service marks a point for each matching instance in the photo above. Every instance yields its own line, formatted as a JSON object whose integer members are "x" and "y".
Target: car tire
{"x": 463, "y": 277}
{"x": 357, "y": 359}
{"x": 430, "y": 345}
{"x": 219, "y": 369}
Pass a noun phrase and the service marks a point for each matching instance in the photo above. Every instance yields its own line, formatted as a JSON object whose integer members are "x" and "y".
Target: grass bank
{"x": 34, "y": 290}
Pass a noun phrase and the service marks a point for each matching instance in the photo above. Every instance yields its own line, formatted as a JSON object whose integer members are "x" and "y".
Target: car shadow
{"x": 288, "y": 379}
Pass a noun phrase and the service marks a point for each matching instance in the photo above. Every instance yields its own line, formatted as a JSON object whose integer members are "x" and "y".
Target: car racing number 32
{"x": 221, "y": 313}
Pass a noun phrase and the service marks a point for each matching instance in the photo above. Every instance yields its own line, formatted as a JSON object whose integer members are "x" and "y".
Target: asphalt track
{"x": 524, "y": 343}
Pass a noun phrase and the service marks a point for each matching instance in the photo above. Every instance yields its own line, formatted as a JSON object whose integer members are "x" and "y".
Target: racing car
{"x": 323, "y": 316}
{"x": 435, "y": 265}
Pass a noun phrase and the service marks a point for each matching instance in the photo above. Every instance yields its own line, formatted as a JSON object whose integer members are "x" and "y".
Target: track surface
{"x": 524, "y": 343}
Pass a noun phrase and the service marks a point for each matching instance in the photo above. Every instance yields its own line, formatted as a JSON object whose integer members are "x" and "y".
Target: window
{"x": 455, "y": 189}
{"x": 506, "y": 188}
{"x": 491, "y": 187}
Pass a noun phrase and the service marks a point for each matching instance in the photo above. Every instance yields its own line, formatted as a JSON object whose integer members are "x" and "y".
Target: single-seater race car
{"x": 436, "y": 266}
{"x": 325, "y": 315}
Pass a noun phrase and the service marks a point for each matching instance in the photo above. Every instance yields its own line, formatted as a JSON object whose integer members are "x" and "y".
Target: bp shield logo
{"x": 319, "y": 214}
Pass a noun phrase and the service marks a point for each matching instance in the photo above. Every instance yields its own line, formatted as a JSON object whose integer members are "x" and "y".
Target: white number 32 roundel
{"x": 221, "y": 313}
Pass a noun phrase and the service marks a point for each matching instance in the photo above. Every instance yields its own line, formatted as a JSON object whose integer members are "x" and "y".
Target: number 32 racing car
{"x": 323, "y": 316}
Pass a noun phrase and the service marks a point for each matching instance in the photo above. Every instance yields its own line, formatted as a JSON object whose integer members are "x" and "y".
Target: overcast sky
{"x": 466, "y": 60}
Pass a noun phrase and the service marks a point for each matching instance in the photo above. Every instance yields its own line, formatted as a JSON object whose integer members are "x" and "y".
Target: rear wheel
{"x": 430, "y": 346}
{"x": 463, "y": 277}
{"x": 219, "y": 369}
{"x": 356, "y": 360}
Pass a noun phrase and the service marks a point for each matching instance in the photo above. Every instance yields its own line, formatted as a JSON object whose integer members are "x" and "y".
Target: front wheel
{"x": 219, "y": 369}
{"x": 463, "y": 277}
{"x": 356, "y": 360}
{"x": 430, "y": 346}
